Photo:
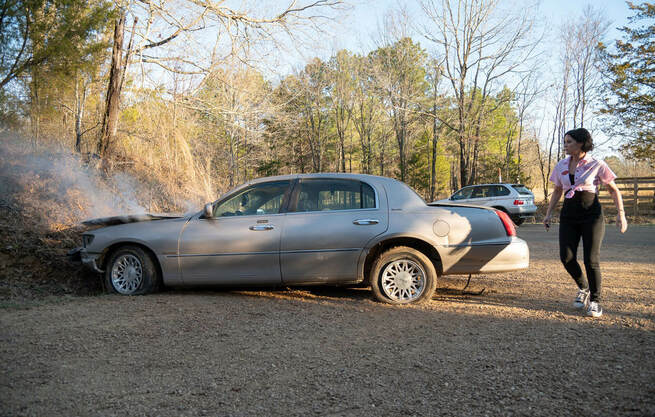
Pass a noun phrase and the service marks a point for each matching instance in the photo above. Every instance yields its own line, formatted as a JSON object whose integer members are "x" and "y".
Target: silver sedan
{"x": 332, "y": 229}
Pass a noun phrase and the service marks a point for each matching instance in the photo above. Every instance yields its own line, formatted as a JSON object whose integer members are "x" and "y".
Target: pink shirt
{"x": 588, "y": 174}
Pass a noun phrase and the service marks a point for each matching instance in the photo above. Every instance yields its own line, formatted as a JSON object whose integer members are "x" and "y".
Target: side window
{"x": 462, "y": 194}
{"x": 328, "y": 195}
{"x": 265, "y": 198}
{"x": 501, "y": 191}
{"x": 478, "y": 192}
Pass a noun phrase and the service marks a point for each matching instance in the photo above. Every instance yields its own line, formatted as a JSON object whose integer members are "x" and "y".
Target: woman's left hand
{"x": 621, "y": 222}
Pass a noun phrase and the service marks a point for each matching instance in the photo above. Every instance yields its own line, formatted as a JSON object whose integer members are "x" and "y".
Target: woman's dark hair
{"x": 582, "y": 135}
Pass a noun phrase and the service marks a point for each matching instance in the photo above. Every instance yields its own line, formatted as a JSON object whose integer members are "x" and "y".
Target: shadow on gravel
{"x": 339, "y": 296}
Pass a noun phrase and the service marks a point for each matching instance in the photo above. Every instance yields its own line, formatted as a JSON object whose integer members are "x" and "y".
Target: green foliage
{"x": 56, "y": 33}
{"x": 631, "y": 83}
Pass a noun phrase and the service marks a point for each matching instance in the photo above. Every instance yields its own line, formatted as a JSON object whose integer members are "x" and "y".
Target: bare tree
{"x": 170, "y": 24}
{"x": 342, "y": 83}
{"x": 233, "y": 100}
{"x": 578, "y": 86}
{"x": 529, "y": 89}
{"x": 366, "y": 110}
{"x": 434, "y": 76}
{"x": 480, "y": 45}
{"x": 581, "y": 39}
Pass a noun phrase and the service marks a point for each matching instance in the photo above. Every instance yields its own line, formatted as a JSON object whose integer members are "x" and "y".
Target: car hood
{"x": 129, "y": 218}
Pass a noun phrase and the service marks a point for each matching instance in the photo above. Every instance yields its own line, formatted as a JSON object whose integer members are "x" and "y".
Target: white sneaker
{"x": 594, "y": 309}
{"x": 582, "y": 299}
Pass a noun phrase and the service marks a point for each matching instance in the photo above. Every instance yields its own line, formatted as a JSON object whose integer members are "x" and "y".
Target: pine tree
{"x": 630, "y": 73}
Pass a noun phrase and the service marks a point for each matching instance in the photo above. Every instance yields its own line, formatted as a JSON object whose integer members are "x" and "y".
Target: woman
{"x": 578, "y": 177}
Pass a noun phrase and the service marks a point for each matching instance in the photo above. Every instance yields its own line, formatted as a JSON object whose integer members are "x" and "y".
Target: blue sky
{"x": 360, "y": 26}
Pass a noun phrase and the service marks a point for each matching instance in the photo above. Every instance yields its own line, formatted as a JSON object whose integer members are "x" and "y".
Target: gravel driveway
{"x": 519, "y": 348}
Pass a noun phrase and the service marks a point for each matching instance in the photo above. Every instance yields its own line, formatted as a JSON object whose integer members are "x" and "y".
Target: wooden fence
{"x": 638, "y": 197}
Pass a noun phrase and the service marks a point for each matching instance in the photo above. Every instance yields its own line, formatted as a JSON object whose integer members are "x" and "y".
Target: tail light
{"x": 518, "y": 202}
{"x": 507, "y": 222}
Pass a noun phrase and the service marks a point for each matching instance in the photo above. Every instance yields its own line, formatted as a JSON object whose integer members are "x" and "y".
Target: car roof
{"x": 335, "y": 175}
{"x": 405, "y": 194}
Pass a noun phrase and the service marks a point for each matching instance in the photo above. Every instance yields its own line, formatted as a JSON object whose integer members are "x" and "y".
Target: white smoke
{"x": 63, "y": 185}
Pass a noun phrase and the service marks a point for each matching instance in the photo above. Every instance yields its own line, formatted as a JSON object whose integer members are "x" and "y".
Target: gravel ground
{"x": 519, "y": 348}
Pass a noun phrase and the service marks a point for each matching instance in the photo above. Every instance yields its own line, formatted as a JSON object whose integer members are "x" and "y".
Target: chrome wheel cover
{"x": 127, "y": 274}
{"x": 403, "y": 280}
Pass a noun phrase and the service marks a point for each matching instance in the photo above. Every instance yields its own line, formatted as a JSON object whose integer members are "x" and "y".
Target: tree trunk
{"x": 112, "y": 102}
{"x": 433, "y": 158}
{"x": 80, "y": 100}
{"x": 463, "y": 164}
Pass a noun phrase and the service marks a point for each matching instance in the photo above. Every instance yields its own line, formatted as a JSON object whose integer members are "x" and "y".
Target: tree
{"x": 170, "y": 25}
{"x": 43, "y": 45}
{"x": 480, "y": 45}
{"x": 341, "y": 90}
{"x": 301, "y": 121}
{"x": 434, "y": 75}
{"x": 582, "y": 36}
{"x": 630, "y": 76}
{"x": 366, "y": 110}
{"x": 232, "y": 101}
{"x": 53, "y": 32}
{"x": 400, "y": 76}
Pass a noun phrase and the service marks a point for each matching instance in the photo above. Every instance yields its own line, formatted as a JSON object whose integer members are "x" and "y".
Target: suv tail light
{"x": 507, "y": 222}
{"x": 518, "y": 202}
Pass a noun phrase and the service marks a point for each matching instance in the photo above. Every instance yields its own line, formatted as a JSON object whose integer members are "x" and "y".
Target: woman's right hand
{"x": 621, "y": 222}
{"x": 547, "y": 221}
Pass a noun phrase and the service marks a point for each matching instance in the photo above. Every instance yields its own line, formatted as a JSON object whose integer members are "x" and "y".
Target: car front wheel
{"x": 131, "y": 271}
{"x": 403, "y": 275}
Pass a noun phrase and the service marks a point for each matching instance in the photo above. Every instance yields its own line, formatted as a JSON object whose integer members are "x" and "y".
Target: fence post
{"x": 636, "y": 199}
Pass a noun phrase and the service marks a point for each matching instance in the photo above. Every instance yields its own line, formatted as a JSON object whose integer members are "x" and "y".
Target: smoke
{"x": 62, "y": 187}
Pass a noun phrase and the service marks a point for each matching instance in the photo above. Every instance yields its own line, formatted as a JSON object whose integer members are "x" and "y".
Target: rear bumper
{"x": 523, "y": 211}
{"x": 88, "y": 260}
{"x": 488, "y": 258}
{"x": 513, "y": 257}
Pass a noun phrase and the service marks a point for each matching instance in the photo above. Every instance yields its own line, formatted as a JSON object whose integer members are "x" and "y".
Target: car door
{"x": 462, "y": 195}
{"x": 241, "y": 243}
{"x": 500, "y": 196}
{"x": 480, "y": 195}
{"x": 328, "y": 225}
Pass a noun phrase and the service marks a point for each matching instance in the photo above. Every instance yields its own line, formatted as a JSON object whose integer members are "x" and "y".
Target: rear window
{"x": 522, "y": 189}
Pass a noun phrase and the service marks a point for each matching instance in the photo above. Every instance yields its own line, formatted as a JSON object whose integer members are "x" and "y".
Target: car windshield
{"x": 522, "y": 189}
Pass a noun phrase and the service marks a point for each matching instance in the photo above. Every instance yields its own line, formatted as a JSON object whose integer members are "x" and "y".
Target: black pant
{"x": 592, "y": 232}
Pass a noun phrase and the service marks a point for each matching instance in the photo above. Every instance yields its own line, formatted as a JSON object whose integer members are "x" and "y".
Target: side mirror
{"x": 208, "y": 211}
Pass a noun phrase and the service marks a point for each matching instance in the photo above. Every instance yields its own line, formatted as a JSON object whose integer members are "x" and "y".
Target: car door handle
{"x": 260, "y": 227}
{"x": 363, "y": 222}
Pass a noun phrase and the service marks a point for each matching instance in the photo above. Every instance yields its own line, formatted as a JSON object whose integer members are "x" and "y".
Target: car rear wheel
{"x": 403, "y": 275}
{"x": 131, "y": 271}
{"x": 517, "y": 220}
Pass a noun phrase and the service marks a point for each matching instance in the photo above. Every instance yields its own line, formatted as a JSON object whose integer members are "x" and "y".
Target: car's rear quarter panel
{"x": 468, "y": 240}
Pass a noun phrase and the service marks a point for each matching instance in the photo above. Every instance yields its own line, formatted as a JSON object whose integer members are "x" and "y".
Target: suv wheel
{"x": 517, "y": 220}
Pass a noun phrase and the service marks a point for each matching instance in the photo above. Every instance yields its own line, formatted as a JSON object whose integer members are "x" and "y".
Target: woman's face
{"x": 571, "y": 146}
